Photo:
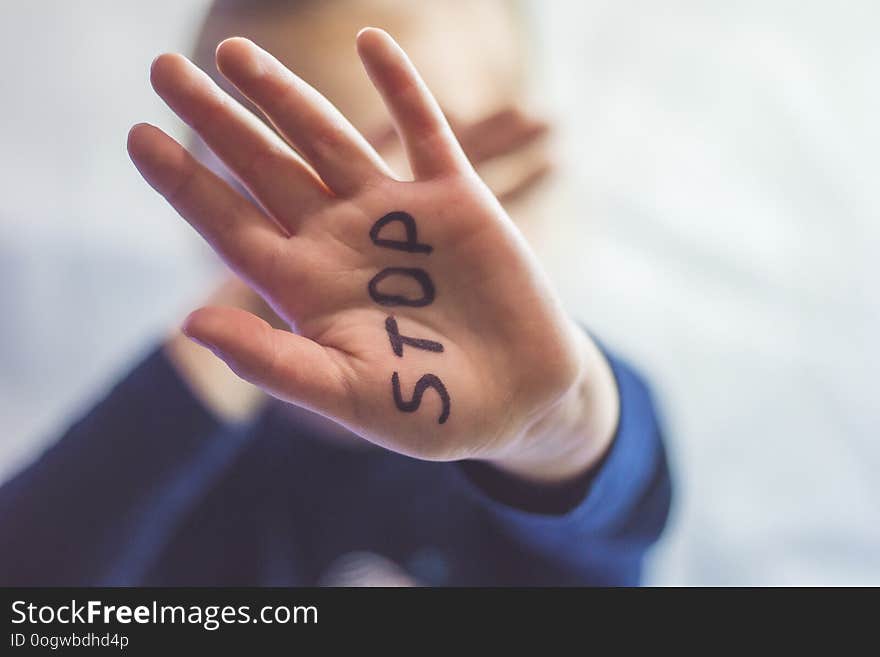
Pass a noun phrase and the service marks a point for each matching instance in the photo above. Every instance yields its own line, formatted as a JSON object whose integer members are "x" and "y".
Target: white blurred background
{"x": 724, "y": 235}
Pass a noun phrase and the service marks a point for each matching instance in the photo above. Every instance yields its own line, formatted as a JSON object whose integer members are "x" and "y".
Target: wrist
{"x": 573, "y": 435}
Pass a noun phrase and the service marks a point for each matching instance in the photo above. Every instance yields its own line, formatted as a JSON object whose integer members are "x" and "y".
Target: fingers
{"x": 340, "y": 155}
{"x": 526, "y": 182}
{"x": 508, "y": 150}
{"x": 260, "y": 159}
{"x": 499, "y": 134}
{"x": 430, "y": 144}
{"x": 286, "y": 365}
{"x": 236, "y": 229}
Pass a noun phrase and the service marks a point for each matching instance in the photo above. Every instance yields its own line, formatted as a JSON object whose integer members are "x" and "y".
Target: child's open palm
{"x": 421, "y": 320}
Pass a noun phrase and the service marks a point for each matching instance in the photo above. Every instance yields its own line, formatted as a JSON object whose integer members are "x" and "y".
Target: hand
{"x": 507, "y": 148}
{"x": 421, "y": 320}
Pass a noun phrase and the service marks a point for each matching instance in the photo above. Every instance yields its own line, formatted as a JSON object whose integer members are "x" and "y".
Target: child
{"x": 510, "y": 449}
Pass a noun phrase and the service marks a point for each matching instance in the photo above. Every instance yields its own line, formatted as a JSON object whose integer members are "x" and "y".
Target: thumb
{"x": 285, "y": 365}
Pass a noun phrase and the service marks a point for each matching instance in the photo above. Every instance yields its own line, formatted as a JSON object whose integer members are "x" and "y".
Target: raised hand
{"x": 420, "y": 318}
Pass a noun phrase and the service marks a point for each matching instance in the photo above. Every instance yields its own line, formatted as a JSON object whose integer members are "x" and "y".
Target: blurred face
{"x": 468, "y": 52}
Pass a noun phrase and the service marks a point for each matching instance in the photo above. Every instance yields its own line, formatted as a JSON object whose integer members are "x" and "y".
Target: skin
{"x": 479, "y": 82}
{"x": 468, "y": 52}
{"x": 530, "y": 392}
{"x": 480, "y": 86}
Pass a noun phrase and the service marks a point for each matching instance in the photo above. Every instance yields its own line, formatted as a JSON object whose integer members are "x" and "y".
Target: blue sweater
{"x": 150, "y": 489}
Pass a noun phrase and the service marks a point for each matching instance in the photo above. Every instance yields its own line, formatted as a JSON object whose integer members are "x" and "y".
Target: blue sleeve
{"x": 91, "y": 508}
{"x": 598, "y": 529}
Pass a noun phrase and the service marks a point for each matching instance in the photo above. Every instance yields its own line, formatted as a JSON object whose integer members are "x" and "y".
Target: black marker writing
{"x": 420, "y": 276}
{"x": 411, "y": 244}
{"x": 427, "y": 381}
{"x": 398, "y": 340}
